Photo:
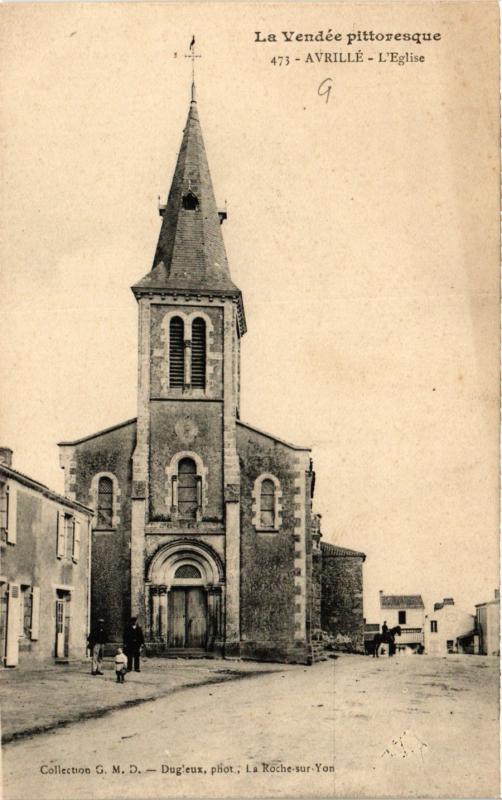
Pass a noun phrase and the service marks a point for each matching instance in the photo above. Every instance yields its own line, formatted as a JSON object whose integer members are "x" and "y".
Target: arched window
{"x": 105, "y": 503}
{"x": 188, "y": 489}
{"x": 187, "y": 571}
{"x": 267, "y": 504}
{"x": 176, "y": 355}
{"x": 198, "y": 377}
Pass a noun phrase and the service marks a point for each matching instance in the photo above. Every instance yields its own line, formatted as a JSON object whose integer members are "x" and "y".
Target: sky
{"x": 362, "y": 232}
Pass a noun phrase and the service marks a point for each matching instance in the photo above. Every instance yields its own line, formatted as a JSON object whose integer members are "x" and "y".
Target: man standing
{"x": 133, "y": 641}
{"x": 96, "y": 641}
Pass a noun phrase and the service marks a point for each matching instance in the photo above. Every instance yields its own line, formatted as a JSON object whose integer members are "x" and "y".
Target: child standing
{"x": 120, "y": 665}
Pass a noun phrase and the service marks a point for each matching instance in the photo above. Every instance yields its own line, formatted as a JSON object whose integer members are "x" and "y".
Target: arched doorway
{"x": 184, "y": 598}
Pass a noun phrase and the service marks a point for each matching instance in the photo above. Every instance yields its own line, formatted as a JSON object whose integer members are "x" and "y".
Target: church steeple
{"x": 190, "y": 255}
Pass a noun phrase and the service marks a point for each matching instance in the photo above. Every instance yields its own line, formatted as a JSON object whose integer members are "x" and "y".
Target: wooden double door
{"x": 187, "y": 617}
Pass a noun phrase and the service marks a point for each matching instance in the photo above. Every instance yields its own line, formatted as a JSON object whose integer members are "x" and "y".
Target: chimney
{"x": 448, "y": 601}
{"x": 6, "y": 456}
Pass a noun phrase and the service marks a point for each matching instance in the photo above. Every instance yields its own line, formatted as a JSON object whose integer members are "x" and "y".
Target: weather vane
{"x": 193, "y": 55}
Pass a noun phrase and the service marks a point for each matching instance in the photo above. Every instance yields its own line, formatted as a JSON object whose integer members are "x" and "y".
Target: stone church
{"x": 203, "y": 524}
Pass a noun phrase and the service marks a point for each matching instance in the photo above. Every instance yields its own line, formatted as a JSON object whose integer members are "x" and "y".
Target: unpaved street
{"x": 406, "y": 726}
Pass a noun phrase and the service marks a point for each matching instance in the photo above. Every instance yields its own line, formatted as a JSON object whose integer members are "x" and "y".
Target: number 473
{"x": 280, "y": 61}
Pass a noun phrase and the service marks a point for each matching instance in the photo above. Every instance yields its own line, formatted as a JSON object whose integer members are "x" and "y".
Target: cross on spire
{"x": 193, "y": 55}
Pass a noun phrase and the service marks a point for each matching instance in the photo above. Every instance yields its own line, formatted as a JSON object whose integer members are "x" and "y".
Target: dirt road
{"x": 411, "y": 726}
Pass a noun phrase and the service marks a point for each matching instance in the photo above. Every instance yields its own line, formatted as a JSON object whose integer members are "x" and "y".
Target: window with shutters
{"x": 176, "y": 353}
{"x": 267, "y": 504}
{"x": 198, "y": 371}
{"x": 434, "y": 626}
{"x": 188, "y": 489}
{"x": 105, "y": 503}
{"x": 401, "y": 617}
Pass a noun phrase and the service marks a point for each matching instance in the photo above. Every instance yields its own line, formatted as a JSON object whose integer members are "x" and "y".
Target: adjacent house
{"x": 44, "y": 580}
{"x": 448, "y": 629}
{"x": 488, "y": 626}
{"x": 342, "y": 595}
{"x": 407, "y": 611}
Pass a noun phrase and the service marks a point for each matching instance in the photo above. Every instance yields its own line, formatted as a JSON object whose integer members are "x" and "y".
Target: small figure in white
{"x": 120, "y": 665}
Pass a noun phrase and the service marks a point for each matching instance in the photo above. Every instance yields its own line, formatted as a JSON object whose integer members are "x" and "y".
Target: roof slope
{"x": 341, "y": 552}
{"x": 242, "y": 424}
{"x": 401, "y": 601}
{"x": 8, "y": 472}
{"x": 190, "y": 252}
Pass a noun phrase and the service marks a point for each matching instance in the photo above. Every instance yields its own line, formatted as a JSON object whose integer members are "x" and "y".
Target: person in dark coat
{"x": 133, "y": 641}
{"x": 385, "y": 629}
{"x": 96, "y": 642}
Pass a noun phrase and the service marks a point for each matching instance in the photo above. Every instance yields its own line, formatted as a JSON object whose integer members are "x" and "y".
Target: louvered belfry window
{"x": 198, "y": 378}
{"x": 105, "y": 503}
{"x": 176, "y": 356}
{"x": 267, "y": 505}
{"x": 187, "y": 488}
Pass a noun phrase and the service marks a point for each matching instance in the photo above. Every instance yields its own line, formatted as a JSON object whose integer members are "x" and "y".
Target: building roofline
{"x": 341, "y": 552}
{"x": 98, "y": 433}
{"x": 44, "y": 490}
{"x": 271, "y": 436}
{"x": 417, "y": 598}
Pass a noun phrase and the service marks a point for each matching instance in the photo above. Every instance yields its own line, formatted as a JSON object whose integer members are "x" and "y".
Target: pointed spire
{"x": 190, "y": 253}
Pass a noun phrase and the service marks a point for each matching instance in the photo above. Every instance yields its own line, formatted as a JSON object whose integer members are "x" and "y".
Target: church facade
{"x": 203, "y": 524}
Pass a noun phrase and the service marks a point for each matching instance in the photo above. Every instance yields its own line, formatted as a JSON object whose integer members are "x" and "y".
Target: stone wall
{"x": 110, "y": 452}
{"x": 273, "y": 579}
{"x": 342, "y": 595}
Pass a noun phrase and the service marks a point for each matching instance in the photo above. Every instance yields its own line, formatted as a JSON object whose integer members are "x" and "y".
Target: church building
{"x": 203, "y": 524}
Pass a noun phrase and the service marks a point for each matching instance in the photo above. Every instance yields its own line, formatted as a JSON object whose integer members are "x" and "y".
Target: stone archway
{"x": 184, "y": 598}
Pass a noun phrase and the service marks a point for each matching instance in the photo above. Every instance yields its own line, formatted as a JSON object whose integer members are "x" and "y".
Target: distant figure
{"x": 96, "y": 641}
{"x": 385, "y": 629}
{"x": 120, "y": 665}
{"x": 386, "y": 638}
{"x": 133, "y": 641}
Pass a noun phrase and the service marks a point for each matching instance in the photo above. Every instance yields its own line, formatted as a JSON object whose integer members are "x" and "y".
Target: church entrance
{"x": 184, "y": 599}
{"x": 187, "y": 618}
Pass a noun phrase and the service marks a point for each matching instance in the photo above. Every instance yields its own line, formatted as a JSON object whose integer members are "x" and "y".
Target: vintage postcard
{"x": 249, "y": 425}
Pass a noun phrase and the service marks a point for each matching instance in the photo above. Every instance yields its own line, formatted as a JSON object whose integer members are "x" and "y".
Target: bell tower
{"x": 186, "y": 482}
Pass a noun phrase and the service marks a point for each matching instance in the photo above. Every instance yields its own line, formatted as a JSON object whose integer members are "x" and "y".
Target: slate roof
{"x": 190, "y": 253}
{"x": 401, "y": 601}
{"x": 340, "y": 552}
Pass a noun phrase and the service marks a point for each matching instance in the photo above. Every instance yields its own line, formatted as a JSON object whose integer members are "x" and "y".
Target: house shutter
{"x": 60, "y": 534}
{"x": 76, "y": 540}
{"x": 4, "y": 507}
{"x": 13, "y": 620}
{"x": 35, "y": 612}
{"x": 12, "y": 514}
